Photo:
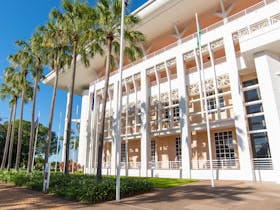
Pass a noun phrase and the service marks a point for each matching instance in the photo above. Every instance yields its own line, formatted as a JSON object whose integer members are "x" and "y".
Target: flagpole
{"x": 36, "y": 137}
{"x": 118, "y": 140}
{"x": 57, "y": 143}
{"x": 205, "y": 103}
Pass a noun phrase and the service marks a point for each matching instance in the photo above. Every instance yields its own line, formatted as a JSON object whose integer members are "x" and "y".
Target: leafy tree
{"x": 107, "y": 35}
{"x": 10, "y": 89}
{"x": 77, "y": 19}
{"x": 38, "y": 56}
{"x": 21, "y": 61}
{"x": 41, "y": 139}
{"x": 57, "y": 53}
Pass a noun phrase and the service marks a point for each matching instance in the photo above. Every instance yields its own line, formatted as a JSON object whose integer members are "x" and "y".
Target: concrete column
{"x": 184, "y": 126}
{"x": 145, "y": 127}
{"x": 114, "y": 131}
{"x": 90, "y": 152}
{"x": 244, "y": 146}
{"x": 267, "y": 67}
{"x": 65, "y": 128}
{"x": 84, "y": 137}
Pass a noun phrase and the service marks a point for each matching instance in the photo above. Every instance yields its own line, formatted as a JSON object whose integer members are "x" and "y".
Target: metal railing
{"x": 131, "y": 165}
{"x": 165, "y": 165}
{"x": 263, "y": 164}
{"x": 225, "y": 164}
{"x": 106, "y": 165}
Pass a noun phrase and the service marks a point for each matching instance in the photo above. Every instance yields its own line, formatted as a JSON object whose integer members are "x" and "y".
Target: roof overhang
{"x": 157, "y": 17}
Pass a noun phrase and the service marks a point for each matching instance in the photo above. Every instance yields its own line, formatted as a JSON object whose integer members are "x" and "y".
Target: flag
{"x": 126, "y": 3}
{"x": 36, "y": 124}
{"x": 92, "y": 103}
{"x": 199, "y": 32}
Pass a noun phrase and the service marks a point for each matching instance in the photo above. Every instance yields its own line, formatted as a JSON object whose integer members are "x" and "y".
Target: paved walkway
{"x": 196, "y": 196}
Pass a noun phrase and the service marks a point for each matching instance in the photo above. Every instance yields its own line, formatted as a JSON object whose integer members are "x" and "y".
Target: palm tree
{"x": 5, "y": 92}
{"x": 11, "y": 83}
{"x": 75, "y": 23}
{"x": 38, "y": 56}
{"x": 108, "y": 37}
{"x": 21, "y": 60}
{"x": 57, "y": 53}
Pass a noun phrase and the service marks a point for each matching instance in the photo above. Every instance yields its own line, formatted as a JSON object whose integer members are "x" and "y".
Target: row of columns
{"x": 264, "y": 64}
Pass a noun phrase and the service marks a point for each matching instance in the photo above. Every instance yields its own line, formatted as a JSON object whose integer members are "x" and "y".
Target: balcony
{"x": 225, "y": 164}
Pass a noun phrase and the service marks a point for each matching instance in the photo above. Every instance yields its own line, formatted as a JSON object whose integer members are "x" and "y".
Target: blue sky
{"x": 18, "y": 21}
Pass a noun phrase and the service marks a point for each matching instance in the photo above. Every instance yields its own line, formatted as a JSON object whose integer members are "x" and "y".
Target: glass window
{"x": 178, "y": 149}
{"x": 260, "y": 145}
{"x": 252, "y": 95}
{"x": 123, "y": 153}
{"x": 224, "y": 145}
{"x": 256, "y": 123}
{"x": 250, "y": 82}
{"x": 153, "y": 150}
{"x": 176, "y": 111}
{"x": 211, "y": 102}
{"x": 254, "y": 108}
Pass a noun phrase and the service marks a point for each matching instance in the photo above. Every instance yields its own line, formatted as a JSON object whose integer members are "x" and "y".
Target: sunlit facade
{"x": 164, "y": 102}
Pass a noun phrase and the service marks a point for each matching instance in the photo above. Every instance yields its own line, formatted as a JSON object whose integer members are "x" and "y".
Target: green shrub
{"x": 79, "y": 187}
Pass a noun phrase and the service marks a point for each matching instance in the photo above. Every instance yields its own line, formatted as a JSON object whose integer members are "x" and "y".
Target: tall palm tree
{"x": 11, "y": 82}
{"x": 5, "y": 92}
{"x": 77, "y": 19}
{"x": 108, "y": 37}
{"x": 21, "y": 60}
{"x": 38, "y": 56}
{"x": 57, "y": 53}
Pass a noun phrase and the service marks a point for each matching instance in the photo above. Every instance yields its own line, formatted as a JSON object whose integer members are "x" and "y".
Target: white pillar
{"x": 244, "y": 148}
{"x": 84, "y": 137}
{"x": 114, "y": 129}
{"x": 184, "y": 126}
{"x": 65, "y": 128}
{"x": 267, "y": 67}
{"x": 145, "y": 131}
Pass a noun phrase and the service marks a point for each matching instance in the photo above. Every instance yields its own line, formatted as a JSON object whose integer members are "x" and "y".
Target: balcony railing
{"x": 263, "y": 164}
{"x": 131, "y": 165}
{"x": 165, "y": 165}
{"x": 225, "y": 164}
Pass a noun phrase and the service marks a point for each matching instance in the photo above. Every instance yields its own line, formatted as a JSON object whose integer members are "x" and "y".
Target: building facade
{"x": 165, "y": 95}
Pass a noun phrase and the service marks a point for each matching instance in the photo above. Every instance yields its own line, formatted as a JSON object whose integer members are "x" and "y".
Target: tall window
{"x": 256, "y": 119}
{"x": 123, "y": 153}
{"x": 153, "y": 150}
{"x": 176, "y": 110}
{"x": 178, "y": 149}
{"x": 211, "y": 102}
{"x": 224, "y": 145}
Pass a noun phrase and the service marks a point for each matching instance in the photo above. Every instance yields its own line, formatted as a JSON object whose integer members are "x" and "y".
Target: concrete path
{"x": 196, "y": 196}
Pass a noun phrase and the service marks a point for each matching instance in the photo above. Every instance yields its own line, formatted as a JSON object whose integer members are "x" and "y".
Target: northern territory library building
{"x": 167, "y": 96}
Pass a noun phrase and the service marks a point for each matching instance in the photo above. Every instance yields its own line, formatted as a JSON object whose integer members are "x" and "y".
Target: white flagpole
{"x": 205, "y": 103}
{"x": 36, "y": 137}
{"x": 118, "y": 140}
{"x": 58, "y": 139}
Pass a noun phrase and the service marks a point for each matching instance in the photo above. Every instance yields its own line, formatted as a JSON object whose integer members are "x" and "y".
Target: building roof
{"x": 157, "y": 17}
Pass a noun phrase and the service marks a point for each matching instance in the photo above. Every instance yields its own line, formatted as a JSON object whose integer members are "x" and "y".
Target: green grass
{"x": 168, "y": 182}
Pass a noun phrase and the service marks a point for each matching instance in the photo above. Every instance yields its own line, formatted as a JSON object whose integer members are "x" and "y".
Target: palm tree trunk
{"x": 32, "y": 130}
{"x": 69, "y": 110}
{"x": 12, "y": 137}
{"x": 20, "y": 130}
{"x": 48, "y": 143}
{"x": 5, "y": 153}
{"x": 103, "y": 111}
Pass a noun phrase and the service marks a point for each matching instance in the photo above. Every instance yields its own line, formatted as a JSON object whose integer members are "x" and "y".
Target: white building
{"x": 163, "y": 117}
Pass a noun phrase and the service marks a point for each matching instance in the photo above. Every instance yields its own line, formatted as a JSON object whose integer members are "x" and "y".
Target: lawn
{"x": 168, "y": 182}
